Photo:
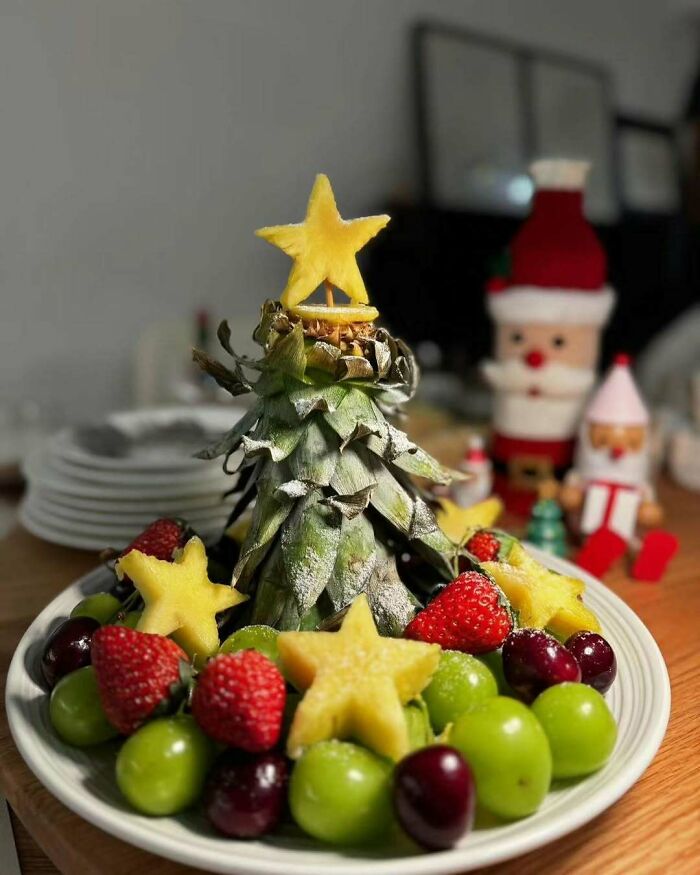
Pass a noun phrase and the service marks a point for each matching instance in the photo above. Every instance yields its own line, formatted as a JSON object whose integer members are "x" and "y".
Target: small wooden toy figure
{"x": 549, "y": 313}
{"x": 609, "y": 489}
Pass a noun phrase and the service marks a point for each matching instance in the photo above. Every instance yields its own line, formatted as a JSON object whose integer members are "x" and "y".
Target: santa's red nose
{"x": 535, "y": 359}
{"x": 617, "y": 452}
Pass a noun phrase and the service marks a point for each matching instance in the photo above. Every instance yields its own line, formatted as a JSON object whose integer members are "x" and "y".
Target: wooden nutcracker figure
{"x": 609, "y": 491}
{"x": 549, "y": 313}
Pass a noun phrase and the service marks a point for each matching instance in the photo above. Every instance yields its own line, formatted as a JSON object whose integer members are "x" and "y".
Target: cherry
{"x": 244, "y": 796}
{"x": 434, "y": 796}
{"x": 534, "y": 660}
{"x": 67, "y": 648}
{"x": 596, "y": 658}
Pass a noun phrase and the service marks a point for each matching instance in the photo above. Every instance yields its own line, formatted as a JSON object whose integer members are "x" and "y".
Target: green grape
{"x": 131, "y": 619}
{"x": 494, "y": 663}
{"x": 261, "y": 638}
{"x": 76, "y": 712}
{"x": 341, "y": 793}
{"x": 161, "y": 768}
{"x": 460, "y": 682}
{"x": 580, "y": 728}
{"x": 420, "y": 732}
{"x": 101, "y": 607}
{"x": 508, "y": 752}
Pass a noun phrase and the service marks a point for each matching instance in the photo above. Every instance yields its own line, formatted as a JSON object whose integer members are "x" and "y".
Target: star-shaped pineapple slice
{"x": 356, "y": 683}
{"x": 458, "y": 522}
{"x": 323, "y": 247}
{"x": 543, "y": 598}
{"x": 179, "y": 598}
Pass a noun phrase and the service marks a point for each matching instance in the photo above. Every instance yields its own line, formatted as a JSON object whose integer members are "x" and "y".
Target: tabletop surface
{"x": 654, "y": 828}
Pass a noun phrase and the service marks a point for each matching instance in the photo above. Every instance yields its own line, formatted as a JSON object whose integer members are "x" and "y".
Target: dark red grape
{"x": 122, "y": 589}
{"x": 434, "y": 796}
{"x": 596, "y": 658}
{"x": 534, "y": 660}
{"x": 245, "y": 796}
{"x": 67, "y": 648}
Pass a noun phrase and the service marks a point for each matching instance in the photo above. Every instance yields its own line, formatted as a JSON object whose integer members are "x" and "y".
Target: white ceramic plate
{"x": 214, "y": 419}
{"x": 68, "y": 534}
{"x": 155, "y": 505}
{"x": 640, "y": 700}
{"x": 109, "y": 516}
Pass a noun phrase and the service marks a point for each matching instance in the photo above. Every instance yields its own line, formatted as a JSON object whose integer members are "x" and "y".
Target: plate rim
{"x": 103, "y": 815}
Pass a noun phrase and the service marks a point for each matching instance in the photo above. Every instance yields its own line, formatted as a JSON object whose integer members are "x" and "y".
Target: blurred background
{"x": 144, "y": 140}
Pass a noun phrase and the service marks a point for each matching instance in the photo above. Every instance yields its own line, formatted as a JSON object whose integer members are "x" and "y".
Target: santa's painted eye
{"x": 516, "y": 337}
{"x": 558, "y": 341}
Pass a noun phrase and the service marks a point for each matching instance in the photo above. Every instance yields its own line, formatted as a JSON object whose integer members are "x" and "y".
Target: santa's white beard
{"x": 552, "y": 413}
{"x": 555, "y": 380}
{"x": 632, "y": 469}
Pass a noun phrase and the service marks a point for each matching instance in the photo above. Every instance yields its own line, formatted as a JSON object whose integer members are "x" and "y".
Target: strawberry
{"x": 484, "y": 546}
{"x": 160, "y": 539}
{"x": 471, "y": 614}
{"x": 136, "y": 672}
{"x": 239, "y": 700}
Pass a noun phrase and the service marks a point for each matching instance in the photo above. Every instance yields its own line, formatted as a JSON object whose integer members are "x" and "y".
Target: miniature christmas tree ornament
{"x": 549, "y": 312}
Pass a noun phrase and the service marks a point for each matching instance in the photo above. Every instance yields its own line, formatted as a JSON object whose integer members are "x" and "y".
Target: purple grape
{"x": 596, "y": 658}
{"x": 534, "y": 660}
{"x": 245, "y": 796}
{"x": 434, "y": 796}
{"x": 67, "y": 648}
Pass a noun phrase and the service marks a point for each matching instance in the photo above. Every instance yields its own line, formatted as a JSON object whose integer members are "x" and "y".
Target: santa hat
{"x": 558, "y": 267}
{"x": 617, "y": 401}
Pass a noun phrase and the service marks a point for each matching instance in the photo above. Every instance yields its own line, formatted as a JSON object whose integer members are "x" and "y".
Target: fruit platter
{"x": 354, "y": 675}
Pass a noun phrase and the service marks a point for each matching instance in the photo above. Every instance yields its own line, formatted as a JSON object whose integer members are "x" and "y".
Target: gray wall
{"x": 142, "y": 141}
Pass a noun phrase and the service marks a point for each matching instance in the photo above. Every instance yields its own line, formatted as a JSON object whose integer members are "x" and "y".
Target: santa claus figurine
{"x": 549, "y": 313}
{"x": 609, "y": 490}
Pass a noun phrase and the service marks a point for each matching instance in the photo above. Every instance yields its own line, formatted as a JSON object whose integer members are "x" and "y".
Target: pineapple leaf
{"x": 294, "y": 489}
{"x": 279, "y": 442}
{"x": 351, "y": 474}
{"x": 350, "y": 505}
{"x": 389, "y": 497}
{"x": 354, "y": 367}
{"x": 223, "y": 333}
{"x": 288, "y": 354}
{"x": 232, "y": 381}
{"x": 322, "y": 356}
{"x": 232, "y": 439}
{"x": 393, "y": 605}
{"x": 325, "y": 398}
{"x": 314, "y": 460}
{"x": 354, "y": 561}
{"x": 270, "y": 511}
{"x": 356, "y": 409}
{"x": 422, "y": 464}
{"x": 310, "y": 539}
{"x": 272, "y": 591}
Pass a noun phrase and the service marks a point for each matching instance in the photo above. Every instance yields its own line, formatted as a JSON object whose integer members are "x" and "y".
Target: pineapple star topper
{"x": 179, "y": 598}
{"x": 324, "y": 247}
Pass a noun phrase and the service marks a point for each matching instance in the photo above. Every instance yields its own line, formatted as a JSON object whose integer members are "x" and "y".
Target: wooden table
{"x": 655, "y": 828}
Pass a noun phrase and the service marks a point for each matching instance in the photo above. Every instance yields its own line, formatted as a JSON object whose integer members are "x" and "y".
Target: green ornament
{"x": 546, "y": 528}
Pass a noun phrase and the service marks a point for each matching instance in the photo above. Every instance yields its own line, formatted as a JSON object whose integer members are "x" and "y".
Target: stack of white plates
{"x": 99, "y": 486}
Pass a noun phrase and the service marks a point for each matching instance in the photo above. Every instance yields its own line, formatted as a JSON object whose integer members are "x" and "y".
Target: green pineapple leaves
{"x": 335, "y": 499}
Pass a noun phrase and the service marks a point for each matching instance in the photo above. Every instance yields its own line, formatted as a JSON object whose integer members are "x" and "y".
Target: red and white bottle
{"x": 480, "y": 483}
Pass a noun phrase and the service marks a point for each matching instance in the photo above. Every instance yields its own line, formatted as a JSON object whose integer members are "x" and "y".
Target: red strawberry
{"x": 484, "y": 546}
{"x": 471, "y": 614}
{"x": 239, "y": 700}
{"x": 160, "y": 539}
{"x": 136, "y": 672}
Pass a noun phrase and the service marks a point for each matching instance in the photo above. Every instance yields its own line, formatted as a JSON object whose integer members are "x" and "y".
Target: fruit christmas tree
{"x": 329, "y": 477}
